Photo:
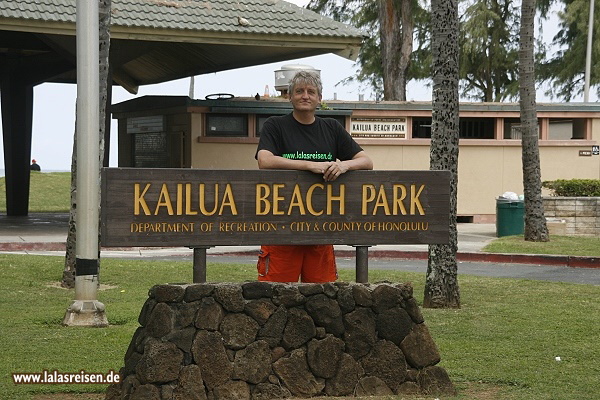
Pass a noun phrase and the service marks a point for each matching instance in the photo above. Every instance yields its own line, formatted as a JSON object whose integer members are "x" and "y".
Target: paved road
{"x": 590, "y": 276}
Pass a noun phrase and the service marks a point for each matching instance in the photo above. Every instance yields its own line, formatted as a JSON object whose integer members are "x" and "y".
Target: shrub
{"x": 574, "y": 187}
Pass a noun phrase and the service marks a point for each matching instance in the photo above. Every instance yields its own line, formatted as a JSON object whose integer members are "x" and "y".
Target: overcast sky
{"x": 54, "y": 104}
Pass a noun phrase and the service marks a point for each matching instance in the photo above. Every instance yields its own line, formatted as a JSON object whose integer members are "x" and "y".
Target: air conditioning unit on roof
{"x": 287, "y": 72}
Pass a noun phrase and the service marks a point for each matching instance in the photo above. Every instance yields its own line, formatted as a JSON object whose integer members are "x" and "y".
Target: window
{"x": 150, "y": 143}
{"x": 512, "y": 128}
{"x": 469, "y": 128}
{"x": 227, "y": 125}
{"x": 476, "y": 128}
{"x": 150, "y": 150}
{"x": 421, "y": 128}
{"x": 566, "y": 129}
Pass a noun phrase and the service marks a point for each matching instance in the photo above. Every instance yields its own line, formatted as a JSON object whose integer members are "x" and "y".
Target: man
{"x": 34, "y": 166}
{"x": 282, "y": 139}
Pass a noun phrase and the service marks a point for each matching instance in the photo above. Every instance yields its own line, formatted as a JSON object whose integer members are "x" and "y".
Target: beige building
{"x": 179, "y": 132}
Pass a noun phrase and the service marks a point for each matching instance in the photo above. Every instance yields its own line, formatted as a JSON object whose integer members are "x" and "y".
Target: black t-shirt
{"x": 323, "y": 140}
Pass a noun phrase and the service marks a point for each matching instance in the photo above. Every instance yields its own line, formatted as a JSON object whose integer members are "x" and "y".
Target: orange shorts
{"x": 310, "y": 263}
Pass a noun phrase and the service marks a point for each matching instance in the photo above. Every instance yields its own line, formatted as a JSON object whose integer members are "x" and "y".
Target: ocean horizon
{"x": 48, "y": 170}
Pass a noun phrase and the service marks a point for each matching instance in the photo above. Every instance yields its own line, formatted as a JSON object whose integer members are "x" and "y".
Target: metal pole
{"x": 588, "y": 54}
{"x": 199, "y": 274}
{"x": 362, "y": 264}
{"x": 86, "y": 310}
{"x": 192, "y": 88}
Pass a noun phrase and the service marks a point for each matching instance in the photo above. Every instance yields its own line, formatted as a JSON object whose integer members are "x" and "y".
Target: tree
{"x": 395, "y": 34}
{"x": 441, "y": 284}
{"x": 489, "y": 43}
{"x": 387, "y": 51}
{"x": 535, "y": 222}
{"x": 565, "y": 70}
{"x": 489, "y": 51}
{"x": 104, "y": 9}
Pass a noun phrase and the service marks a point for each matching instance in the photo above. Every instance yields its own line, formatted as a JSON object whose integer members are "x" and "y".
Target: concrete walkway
{"x": 45, "y": 233}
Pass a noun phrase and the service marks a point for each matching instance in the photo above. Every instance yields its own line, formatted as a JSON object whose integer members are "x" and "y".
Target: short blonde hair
{"x": 308, "y": 78}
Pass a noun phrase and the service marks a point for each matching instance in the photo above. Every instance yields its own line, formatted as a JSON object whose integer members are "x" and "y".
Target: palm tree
{"x": 441, "y": 285}
{"x": 535, "y": 222}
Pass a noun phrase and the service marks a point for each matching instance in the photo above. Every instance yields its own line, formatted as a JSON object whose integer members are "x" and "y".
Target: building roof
{"x": 340, "y": 107}
{"x": 159, "y": 40}
{"x": 264, "y": 16}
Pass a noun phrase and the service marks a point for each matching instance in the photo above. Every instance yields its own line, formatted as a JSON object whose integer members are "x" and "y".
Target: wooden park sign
{"x": 196, "y": 208}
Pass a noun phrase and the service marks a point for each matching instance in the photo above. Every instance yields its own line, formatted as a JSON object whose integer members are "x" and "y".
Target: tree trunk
{"x": 68, "y": 278}
{"x": 396, "y": 35}
{"x": 441, "y": 284}
{"x": 536, "y": 229}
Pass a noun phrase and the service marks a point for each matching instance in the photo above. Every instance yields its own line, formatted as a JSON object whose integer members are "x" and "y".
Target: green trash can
{"x": 510, "y": 217}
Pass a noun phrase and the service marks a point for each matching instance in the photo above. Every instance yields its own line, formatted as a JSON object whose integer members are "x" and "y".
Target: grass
{"x": 48, "y": 192}
{"x": 560, "y": 245}
{"x": 501, "y": 344}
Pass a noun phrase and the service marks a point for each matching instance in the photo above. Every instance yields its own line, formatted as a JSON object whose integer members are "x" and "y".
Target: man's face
{"x": 305, "y": 97}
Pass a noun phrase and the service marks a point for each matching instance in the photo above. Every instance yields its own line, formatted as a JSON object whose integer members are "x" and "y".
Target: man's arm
{"x": 360, "y": 161}
{"x": 330, "y": 170}
{"x": 334, "y": 169}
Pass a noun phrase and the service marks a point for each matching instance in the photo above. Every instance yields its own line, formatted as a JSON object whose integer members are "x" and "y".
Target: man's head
{"x": 306, "y": 78}
{"x": 305, "y": 92}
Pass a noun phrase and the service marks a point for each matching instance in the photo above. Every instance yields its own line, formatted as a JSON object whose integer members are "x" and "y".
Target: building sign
{"x": 379, "y": 128}
{"x": 585, "y": 153}
{"x": 188, "y": 207}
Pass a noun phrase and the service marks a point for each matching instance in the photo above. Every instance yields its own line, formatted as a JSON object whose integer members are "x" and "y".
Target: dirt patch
{"x": 57, "y": 285}
{"x": 481, "y": 391}
{"x": 70, "y": 396}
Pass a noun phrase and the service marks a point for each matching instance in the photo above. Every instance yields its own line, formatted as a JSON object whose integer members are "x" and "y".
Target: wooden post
{"x": 362, "y": 264}
{"x": 199, "y": 268}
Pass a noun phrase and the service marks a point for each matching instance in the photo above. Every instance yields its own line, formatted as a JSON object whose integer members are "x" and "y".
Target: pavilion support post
{"x": 17, "y": 116}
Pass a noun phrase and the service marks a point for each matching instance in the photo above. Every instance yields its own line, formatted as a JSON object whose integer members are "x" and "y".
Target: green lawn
{"x": 48, "y": 192}
{"x": 560, "y": 245}
{"x": 501, "y": 344}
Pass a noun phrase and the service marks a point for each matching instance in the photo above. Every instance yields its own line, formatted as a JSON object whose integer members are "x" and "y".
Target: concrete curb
{"x": 543, "y": 259}
{"x": 495, "y": 258}
{"x": 32, "y": 246}
{"x": 498, "y": 258}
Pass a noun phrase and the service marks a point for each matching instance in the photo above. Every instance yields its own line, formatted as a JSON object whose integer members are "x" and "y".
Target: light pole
{"x": 86, "y": 310}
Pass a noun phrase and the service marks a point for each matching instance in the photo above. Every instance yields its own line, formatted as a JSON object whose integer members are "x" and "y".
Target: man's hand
{"x": 332, "y": 170}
